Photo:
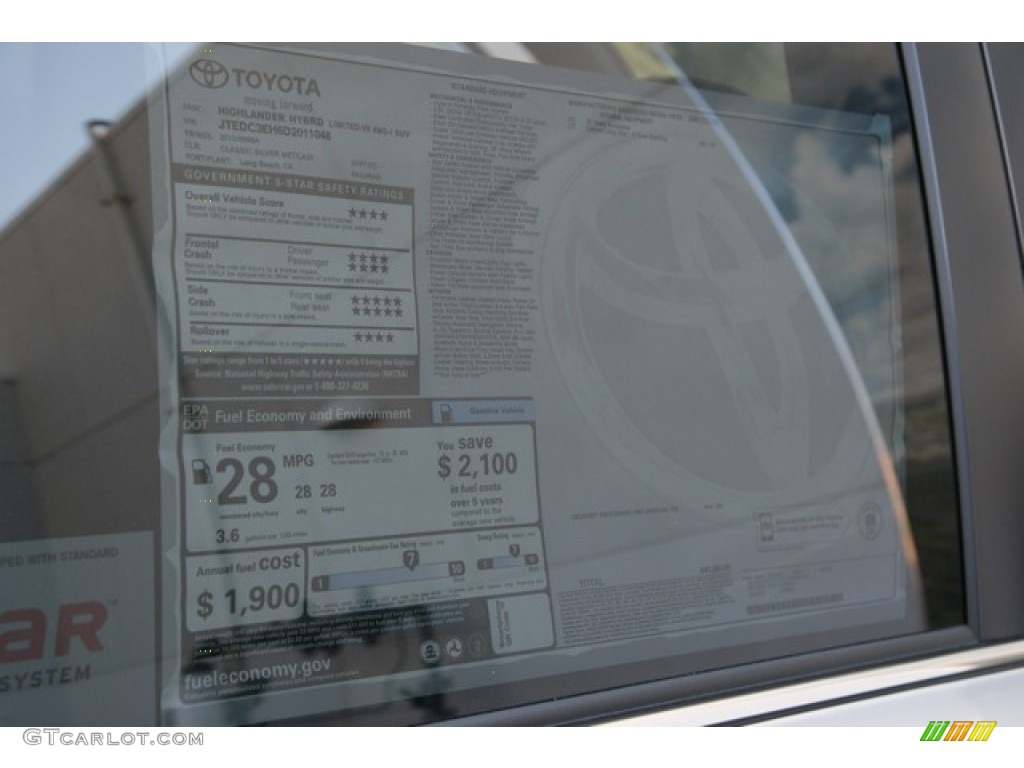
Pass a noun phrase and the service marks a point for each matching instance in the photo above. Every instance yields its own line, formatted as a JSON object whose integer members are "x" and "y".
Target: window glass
{"x": 393, "y": 383}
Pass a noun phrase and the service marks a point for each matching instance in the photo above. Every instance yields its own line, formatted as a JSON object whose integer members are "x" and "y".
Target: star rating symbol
{"x": 373, "y": 214}
{"x": 366, "y": 305}
{"x": 368, "y": 337}
{"x": 375, "y": 262}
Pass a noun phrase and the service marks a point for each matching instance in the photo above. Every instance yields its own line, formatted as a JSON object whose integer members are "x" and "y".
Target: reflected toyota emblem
{"x": 687, "y": 336}
{"x": 208, "y": 73}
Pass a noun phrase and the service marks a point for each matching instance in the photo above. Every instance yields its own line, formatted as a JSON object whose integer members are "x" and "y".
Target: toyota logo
{"x": 208, "y": 73}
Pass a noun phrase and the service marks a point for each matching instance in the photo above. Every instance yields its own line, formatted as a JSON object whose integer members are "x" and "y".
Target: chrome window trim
{"x": 784, "y": 701}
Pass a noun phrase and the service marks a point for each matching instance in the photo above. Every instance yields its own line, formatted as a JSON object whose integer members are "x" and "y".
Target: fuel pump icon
{"x": 201, "y": 474}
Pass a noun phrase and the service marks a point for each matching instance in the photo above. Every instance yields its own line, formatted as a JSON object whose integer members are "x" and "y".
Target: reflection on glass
{"x": 467, "y": 371}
